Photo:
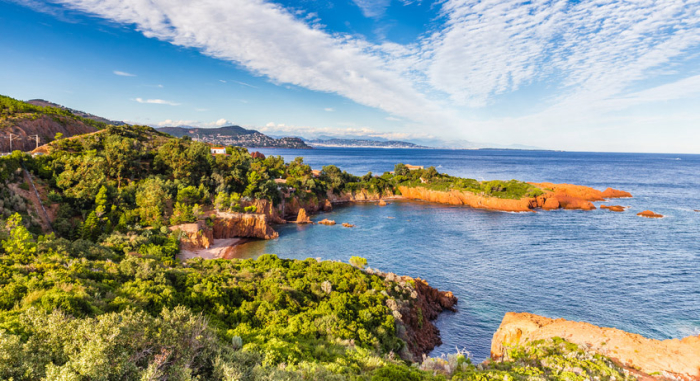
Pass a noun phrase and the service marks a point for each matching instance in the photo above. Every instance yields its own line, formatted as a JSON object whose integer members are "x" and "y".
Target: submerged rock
{"x": 347, "y": 225}
{"x": 667, "y": 359}
{"x": 613, "y": 208}
{"x": 326, "y": 221}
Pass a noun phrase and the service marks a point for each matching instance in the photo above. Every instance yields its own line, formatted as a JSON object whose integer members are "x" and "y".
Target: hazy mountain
{"x": 235, "y": 136}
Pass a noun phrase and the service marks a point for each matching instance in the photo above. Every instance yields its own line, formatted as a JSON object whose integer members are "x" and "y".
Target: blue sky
{"x": 599, "y": 75}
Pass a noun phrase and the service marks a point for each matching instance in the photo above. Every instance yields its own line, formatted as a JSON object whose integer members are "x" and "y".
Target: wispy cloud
{"x": 329, "y": 109}
{"x": 373, "y": 8}
{"x": 156, "y": 101}
{"x": 346, "y": 132}
{"x": 123, "y": 73}
{"x": 392, "y": 119}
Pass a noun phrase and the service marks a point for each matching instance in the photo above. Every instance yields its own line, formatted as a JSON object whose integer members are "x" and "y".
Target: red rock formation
{"x": 326, "y": 221}
{"x": 466, "y": 199}
{"x": 416, "y": 316}
{"x": 582, "y": 192}
{"x": 265, "y": 207}
{"x": 382, "y": 203}
{"x": 195, "y": 235}
{"x": 302, "y": 218}
{"x": 347, "y": 225}
{"x": 667, "y": 359}
{"x": 257, "y": 155}
{"x": 327, "y": 206}
{"x": 613, "y": 208}
{"x": 45, "y": 126}
{"x": 232, "y": 225}
{"x": 649, "y": 214}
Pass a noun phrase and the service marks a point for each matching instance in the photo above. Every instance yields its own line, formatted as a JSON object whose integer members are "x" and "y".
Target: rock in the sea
{"x": 613, "y": 208}
{"x": 326, "y": 221}
{"x": 649, "y": 214}
{"x": 302, "y": 218}
{"x": 382, "y": 203}
{"x": 550, "y": 203}
{"x": 668, "y": 359}
{"x": 347, "y": 225}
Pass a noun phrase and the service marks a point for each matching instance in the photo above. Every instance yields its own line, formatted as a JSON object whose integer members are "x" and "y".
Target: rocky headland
{"x": 645, "y": 358}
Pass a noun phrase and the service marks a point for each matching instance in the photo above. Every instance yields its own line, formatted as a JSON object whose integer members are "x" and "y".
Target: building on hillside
{"x": 218, "y": 150}
{"x": 316, "y": 172}
{"x": 413, "y": 167}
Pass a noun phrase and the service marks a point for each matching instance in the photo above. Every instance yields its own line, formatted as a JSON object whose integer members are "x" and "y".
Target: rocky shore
{"x": 645, "y": 358}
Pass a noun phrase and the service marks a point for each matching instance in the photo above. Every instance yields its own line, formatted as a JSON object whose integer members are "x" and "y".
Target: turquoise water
{"x": 610, "y": 269}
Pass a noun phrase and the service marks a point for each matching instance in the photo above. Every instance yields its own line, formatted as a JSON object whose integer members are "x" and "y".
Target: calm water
{"x": 610, "y": 269}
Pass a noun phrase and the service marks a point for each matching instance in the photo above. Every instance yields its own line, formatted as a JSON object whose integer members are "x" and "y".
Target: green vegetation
{"x": 105, "y": 298}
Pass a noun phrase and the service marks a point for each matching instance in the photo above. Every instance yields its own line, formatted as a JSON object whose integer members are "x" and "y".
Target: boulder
{"x": 382, "y": 203}
{"x": 326, "y": 221}
{"x": 347, "y": 225}
{"x": 327, "y": 206}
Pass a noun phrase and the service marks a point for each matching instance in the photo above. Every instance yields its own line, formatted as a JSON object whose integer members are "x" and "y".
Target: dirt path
{"x": 217, "y": 250}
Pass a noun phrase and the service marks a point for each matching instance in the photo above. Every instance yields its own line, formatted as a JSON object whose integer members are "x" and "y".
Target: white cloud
{"x": 268, "y": 40}
{"x": 193, "y": 123}
{"x": 329, "y": 109}
{"x": 373, "y": 8}
{"x": 156, "y": 101}
{"x": 347, "y": 132}
{"x": 123, "y": 73}
{"x": 392, "y": 119}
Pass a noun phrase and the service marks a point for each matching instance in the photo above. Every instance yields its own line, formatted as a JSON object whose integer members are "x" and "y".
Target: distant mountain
{"x": 361, "y": 143}
{"x": 234, "y": 136}
{"x": 82, "y": 114}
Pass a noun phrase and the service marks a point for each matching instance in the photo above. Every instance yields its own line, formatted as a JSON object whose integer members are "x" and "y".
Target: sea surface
{"x": 610, "y": 269}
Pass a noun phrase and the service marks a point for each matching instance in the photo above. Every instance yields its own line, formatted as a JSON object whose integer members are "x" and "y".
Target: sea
{"x": 606, "y": 268}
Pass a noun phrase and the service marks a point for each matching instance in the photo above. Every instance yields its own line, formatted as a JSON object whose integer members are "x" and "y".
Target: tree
{"x": 91, "y": 229}
{"x": 101, "y": 202}
{"x": 358, "y": 262}
{"x": 151, "y": 197}
{"x": 182, "y": 213}
{"x": 121, "y": 156}
{"x": 401, "y": 170}
{"x": 20, "y": 245}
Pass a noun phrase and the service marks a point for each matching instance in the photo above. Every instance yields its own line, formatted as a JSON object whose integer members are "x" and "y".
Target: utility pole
{"x": 11, "y": 136}
{"x": 37, "y": 139}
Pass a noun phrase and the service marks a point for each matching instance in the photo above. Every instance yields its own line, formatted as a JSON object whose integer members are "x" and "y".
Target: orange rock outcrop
{"x": 303, "y": 218}
{"x": 673, "y": 359}
{"x": 613, "y": 208}
{"x": 649, "y": 214}
{"x": 556, "y": 196}
{"x": 194, "y": 236}
{"x": 326, "y": 221}
{"x": 232, "y": 225}
{"x": 382, "y": 203}
{"x": 347, "y": 225}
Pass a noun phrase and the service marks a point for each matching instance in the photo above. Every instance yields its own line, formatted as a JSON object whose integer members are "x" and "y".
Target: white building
{"x": 218, "y": 150}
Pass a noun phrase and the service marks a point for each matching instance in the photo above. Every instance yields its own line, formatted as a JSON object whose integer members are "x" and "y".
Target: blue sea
{"x": 610, "y": 269}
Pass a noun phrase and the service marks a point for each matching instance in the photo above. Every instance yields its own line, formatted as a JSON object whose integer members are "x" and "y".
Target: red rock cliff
{"x": 45, "y": 126}
{"x": 233, "y": 225}
{"x": 673, "y": 359}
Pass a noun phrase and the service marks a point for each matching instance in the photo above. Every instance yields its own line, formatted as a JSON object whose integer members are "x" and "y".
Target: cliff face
{"x": 557, "y": 196}
{"x": 45, "y": 126}
{"x": 672, "y": 359}
{"x": 227, "y": 225}
{"x": 467, "y": 199}
{"x": 415, "y": 312}
{"x": 195, "y": 235}
{"x": 265, "y": 207}
{"x": 232, "y": 225}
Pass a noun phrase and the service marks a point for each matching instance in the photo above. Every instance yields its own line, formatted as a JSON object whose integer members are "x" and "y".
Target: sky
{"x": 597, "y": 75}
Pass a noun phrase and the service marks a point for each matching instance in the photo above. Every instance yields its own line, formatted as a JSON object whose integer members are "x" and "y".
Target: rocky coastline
{"x": 645, "y": 359}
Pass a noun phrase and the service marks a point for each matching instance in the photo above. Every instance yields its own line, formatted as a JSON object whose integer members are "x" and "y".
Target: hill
{"x": 83, "y": 114}
{"x": 30, "y": 125}
{"x": 361, "y": 143}
{"x": 235, "y": 136}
